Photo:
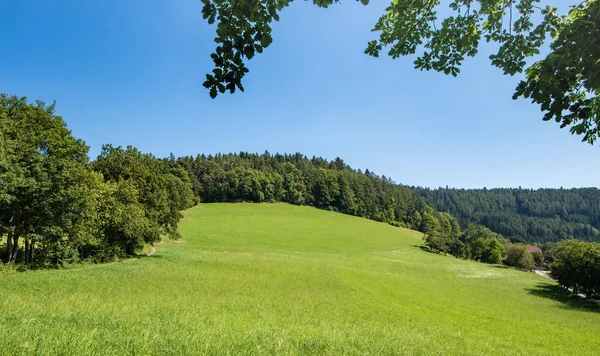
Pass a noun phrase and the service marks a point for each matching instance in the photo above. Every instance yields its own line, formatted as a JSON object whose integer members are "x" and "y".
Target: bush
{"x": 538, "y": 259}
{"x": 516, "y": 255}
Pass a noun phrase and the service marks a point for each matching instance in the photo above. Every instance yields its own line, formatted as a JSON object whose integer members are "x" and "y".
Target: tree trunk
{"x": 12, "y": 258}
{"x": 9, "y": 247}
{"x": 31, "y": 249}
{"x": 26, "y": 252}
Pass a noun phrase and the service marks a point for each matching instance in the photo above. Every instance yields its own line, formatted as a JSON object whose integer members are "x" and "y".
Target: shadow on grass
{"x": 144, "y": 255}
{"x": 560, "y": 294}
{"x": 153, "y": 256}
{"x": 499, "y": 266}
{"x": 425, "y": 248}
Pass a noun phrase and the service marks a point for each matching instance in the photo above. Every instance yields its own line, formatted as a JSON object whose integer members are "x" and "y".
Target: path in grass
{"x": 542, "y": 273}
{"x": 280, "y": 279}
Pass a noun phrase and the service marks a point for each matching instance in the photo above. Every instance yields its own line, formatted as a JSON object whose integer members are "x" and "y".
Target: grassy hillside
{"x": 280, "y": 279}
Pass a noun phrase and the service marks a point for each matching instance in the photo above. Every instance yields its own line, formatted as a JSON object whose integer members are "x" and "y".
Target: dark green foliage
{"x": 299, "y": 180}
{"x": 474, "y": 243}
{"x": 577, "y": 266}
{"x": 146, "y": 197}
{"x": 543, "y": 215}
{"x": 518, "y": 256}
{"x": 441, "y": 231}
{"x": 548, "y": 251}
{"x": 55, "y": 209}
{"x": 538, "y": 258}
{"x": 565, "y": 84}
{"x": 42, "y": 170}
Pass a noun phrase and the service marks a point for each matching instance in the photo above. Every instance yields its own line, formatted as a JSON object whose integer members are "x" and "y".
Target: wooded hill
{"x": 299, "y": 180}
{"x": 57, "y": 207}
{"x": 522, "y": 215}
{"x": 527, "y": 215}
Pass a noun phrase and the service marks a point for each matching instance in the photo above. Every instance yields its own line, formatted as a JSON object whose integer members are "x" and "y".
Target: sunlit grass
{"x": 280, "y": 279}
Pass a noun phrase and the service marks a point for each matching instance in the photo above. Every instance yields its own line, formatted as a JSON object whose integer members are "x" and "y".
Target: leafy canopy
{"x": 577, "y": 266}
{"x": 65, "y": 209}
{"x": 565, "y": 83}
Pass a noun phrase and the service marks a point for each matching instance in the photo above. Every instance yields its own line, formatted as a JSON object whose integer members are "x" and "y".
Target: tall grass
{"x": 280, "y": 279}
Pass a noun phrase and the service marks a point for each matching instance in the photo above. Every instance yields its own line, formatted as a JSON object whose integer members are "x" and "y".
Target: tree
{"x": 151, "y": 195}
{"x": 42, "y": 167}
{"x": 495, "y": 252}
{"x": 294, "y": 189}
{"x": 441, "y": 232}
{"x": 565, "y": 83}
{"x": 436, "y": 241}
{"x": 577, "y": 266}
{"x": 456, "y": 248}
{"x": 518, "y": 256}
{"x": 538, "y": 258}
{"x": 488, "y": 250}
{"x": 53, "y": 202}
{"x": 481, "y": 244}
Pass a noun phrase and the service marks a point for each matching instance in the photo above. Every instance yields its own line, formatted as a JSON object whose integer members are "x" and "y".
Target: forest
{"x": 523, "y": 215}
{"x": 297, "y": 179}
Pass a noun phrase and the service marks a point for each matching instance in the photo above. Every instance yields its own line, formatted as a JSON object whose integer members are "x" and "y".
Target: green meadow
{"x": 283, "y": 279}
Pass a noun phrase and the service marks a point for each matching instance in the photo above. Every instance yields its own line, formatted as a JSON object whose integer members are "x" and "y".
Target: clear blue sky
{"x": 131, "y": 73}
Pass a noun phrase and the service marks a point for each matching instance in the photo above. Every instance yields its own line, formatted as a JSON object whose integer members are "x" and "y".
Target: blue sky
{"x": 131, "y": 73}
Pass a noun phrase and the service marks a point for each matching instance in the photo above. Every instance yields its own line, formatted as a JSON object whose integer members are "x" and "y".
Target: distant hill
{"x": 540, "y": 215}
{"x": 299, "y": 180}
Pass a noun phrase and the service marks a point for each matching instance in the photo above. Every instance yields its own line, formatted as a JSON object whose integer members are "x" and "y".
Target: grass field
{"x": 280, "y": 279}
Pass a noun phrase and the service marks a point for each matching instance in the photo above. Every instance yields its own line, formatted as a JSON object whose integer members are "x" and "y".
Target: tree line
{"x": 574, "y": 264}
{"x": 299, "y": 180}
{"x": 523, "y": 215}
{"x": 57, "y": 207}
{"x": 577, "y": 266}
{"x": 333, "y": 185}
{"x": 478, "y": 243}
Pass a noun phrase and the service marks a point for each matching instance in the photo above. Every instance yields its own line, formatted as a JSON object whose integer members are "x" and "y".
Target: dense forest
{"x": 297, "y": 179}
{"x": 542, "y": 215}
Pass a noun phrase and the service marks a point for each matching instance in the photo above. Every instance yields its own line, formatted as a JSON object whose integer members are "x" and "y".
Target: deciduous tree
{"x": 518, "y": 256}
{"x": 565, "y": 83}
{"x": 41, "y": 170}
